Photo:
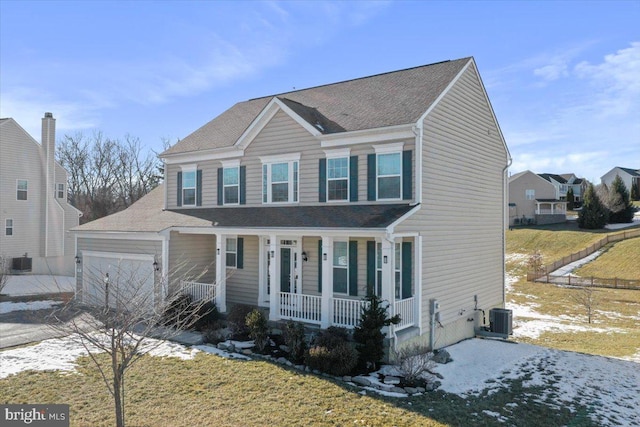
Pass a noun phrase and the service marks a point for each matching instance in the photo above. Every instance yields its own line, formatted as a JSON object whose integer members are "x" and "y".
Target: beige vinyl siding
{"x": 192, "y": 257}
{"x": 129, "y": 246}
{"x": 461, "y": 216}
{"x": 242, "y": 283}
{"x": 517, "y": 193}
{"x": 20, "y": 159}
{"x": 310, "y": 268}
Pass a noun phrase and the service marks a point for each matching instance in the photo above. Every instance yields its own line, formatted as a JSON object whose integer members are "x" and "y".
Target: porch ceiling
{"x": 339, "y": 216}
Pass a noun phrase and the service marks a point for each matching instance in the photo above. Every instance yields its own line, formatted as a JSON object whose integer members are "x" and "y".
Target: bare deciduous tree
{"x": 106, "y": 175}
{"x": 586, "y": 297}
{"x": 535, "y": 262}
{"x": 4, "y": 271}
{"x": 117, "y": 313}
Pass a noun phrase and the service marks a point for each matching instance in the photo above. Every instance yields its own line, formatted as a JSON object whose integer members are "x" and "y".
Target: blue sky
{"x": 563, "y": 77}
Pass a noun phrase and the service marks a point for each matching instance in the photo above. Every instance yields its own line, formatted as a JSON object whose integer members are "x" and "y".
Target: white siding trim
{"x": 389, "y": 148}
{"x": 118, "y": 235}
{"x": 118, "y": 255}
{"x": 337, "y": 153}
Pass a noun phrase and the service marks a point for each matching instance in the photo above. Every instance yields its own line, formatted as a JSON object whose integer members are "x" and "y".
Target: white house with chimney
{"x": 35, "y": 215}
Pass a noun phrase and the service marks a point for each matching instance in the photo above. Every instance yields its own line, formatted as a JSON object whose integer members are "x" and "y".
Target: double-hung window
{"x": 338, "y": 178}
{"x": 21, "y": 189}
{"x": 280, "y": 179}
{"x": 530, "y": 194}
{"x": 60, "y": 190}
{"x": 231, "y": 183}
{"x": 340, "y": 267}
{"x": 232, "y": 252}
{"x": 189, "y": 188}
{"x": 8, "y": 227}
{"x": 389, "y": 175}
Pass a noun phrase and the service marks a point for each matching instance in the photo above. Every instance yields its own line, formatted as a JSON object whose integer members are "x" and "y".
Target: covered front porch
{"x": 316, "y": 279}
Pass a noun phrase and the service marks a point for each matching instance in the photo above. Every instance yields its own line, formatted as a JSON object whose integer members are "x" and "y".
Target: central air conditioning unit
{"x": 501, "y": 321}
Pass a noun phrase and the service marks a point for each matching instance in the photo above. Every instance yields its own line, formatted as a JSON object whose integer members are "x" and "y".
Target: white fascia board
{"x": 393, "y": 225}
{"x": 265, "y": 116}
{"x": 290, "y": 231}
{"x": 118, "y": 255}
{"x": 376, "y": 135}
{"x": 203, "y": 155}
{"x": 337, "y": 152}
{"x": 118, "y": 235}
{"x": 281, "y": 158}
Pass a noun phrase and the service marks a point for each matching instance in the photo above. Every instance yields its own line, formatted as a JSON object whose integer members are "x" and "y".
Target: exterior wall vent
{"x": 501, "y": 321}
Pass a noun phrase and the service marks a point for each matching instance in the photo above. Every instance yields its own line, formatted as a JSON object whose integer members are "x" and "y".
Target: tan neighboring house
{"x": 533, "y": 199}
{"x": 302, "y": 203}
{"x": 34, "y": 213}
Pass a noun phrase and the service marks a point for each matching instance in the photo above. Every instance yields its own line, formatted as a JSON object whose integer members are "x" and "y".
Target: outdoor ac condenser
{"x": 501, "y": 321}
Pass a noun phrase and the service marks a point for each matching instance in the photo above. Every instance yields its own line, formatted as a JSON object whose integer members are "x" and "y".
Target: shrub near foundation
{"x": 332, "y": 353}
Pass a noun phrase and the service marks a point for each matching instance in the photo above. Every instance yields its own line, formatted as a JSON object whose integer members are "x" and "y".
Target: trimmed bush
{"x": 294, "y": 340}
{"x": 237, "y": 320}
{"x": 258, "y": 329}
{"x": 339, "y": 360}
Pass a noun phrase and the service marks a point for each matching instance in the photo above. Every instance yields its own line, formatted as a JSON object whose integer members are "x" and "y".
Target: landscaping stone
{"x": 360, "y": 380}
{"x": 411, "y": 390}
{"x": 433, "y": 385}
{"x": 284, "y": 348}
{"x": 391, "y": 380}
{"x": 247, "y": 352}
{"x": 346, "y": 379}
{"x": 421, "y": 389}
{"x": 397, "y": 390}
{"x": 441, "y": 356}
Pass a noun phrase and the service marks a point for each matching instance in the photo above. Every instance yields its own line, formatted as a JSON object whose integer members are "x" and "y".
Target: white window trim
{"x": 225, "y": 166}
{"x": 233, "y": 163}
{"x": 281, "y": 158}
{"x": 190, "y": 169}
{"x": 346, "y": 267}
{"x": 397, "y": 268}
{"x": 227, "y": 251}
{"x": 388, "y": 148}
{"x": 293, "y": 189}
{"x": 6, "y": 227}
{"x": 400, "y": 175}
{"x": 348, "y": 178}
{"x": 58, "y": 190}
{"x": 340, "y": 152}
{"x": 533, "y": 194}
{"x": 18, "y": 189}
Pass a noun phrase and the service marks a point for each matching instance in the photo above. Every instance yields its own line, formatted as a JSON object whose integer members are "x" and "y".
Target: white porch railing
{"x": 406, "y": 309}
{"x": 304, "y": 308}
{"x": 199, "y": 291}
{"x": 346, "y": 312}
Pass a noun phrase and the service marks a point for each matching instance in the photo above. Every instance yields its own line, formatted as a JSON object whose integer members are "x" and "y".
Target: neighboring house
{"x": 628, "y": 176}
{"x": 533, "y": 199}
{"x": 578, "y": 185}
{"x": 303, "y": 203}
{"x": 34, "y": 213}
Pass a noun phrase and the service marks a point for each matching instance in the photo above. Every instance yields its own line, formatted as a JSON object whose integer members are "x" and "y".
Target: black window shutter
{"x": 407, "y": 175}
{"x": 371, "y": 267}
{"x": 220, "y": 187}
{"x": 407, "y": 269}
{"x": 322, "y": 180}
{"x": 371, "y": 177}
{"x": 353, "y": 268}
{"x": 320, "y": 257}
{"x": 179, "y": 195}
{"x": 243, "y": 185}
{"x": 240, "y": 253}
{"x": 353, "y": 179}
{"x": 199, "y": 187}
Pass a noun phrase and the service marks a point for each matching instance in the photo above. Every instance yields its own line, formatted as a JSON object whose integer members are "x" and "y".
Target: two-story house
{"x": 304, "y": 202}
{"x": 578, "y": 185}
{"x": 630, "y": 177}
{"x": 34, "y": 213}
{"x": 534, "y": 199}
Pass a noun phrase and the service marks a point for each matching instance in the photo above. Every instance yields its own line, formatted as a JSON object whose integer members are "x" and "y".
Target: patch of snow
{"x": 496, "y": 415}
{"x": 8, "y": 307}
{"x": 210, "y": 349}
{"x": 35, "y": 284}
{"x": 608, "y": 386}
{"x": 385, "y": 392}
{"x": 636, "y": 221}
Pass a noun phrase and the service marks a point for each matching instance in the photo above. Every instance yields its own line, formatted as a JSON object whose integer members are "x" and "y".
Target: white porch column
{"x": 326, "y": 258}
{"x": 388, "y": 276}
{"x": 274, "y": 295}
{"x": 221, "y": 272}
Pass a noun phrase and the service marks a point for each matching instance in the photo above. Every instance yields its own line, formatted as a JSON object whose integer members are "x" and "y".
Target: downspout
{"x": 505, "y": 222}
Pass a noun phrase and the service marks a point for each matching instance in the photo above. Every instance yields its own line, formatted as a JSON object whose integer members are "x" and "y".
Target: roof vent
{"x": 48, "y": 115}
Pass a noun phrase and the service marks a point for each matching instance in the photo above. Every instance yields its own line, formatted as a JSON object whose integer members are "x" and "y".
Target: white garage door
{"x": 124, "y": 281}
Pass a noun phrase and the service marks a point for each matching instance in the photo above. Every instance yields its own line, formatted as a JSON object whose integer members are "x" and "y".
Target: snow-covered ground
{"x": 609, "y": 387}
{"x": 8, "y": 307}
{"x": 38, "y": 284}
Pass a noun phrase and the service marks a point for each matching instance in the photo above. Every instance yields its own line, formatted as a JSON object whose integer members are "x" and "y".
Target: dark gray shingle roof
{"x": 388, "y": 99}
